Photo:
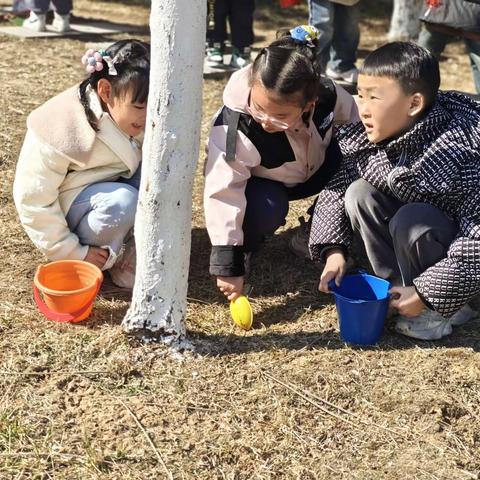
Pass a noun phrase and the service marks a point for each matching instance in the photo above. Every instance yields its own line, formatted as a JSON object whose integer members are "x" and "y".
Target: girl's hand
{"x": 98, "y": 256}
{"x": 231, "y": 287}
{"x": 334, "y": 269}
{"x": 406, "y": 301}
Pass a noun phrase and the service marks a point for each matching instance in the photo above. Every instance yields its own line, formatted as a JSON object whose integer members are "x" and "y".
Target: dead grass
{"x": 286, "y": 400}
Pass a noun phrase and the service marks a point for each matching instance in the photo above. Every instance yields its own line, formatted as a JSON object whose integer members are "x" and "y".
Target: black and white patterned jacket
{"x": 435, "y": 162}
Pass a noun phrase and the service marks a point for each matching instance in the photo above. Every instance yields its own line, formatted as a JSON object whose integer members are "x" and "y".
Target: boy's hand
{"x": 98, "y": 256}
{"x": 334, "y": 269}
{"x": 406, "y": 301}
{"x": 231, "y": 287}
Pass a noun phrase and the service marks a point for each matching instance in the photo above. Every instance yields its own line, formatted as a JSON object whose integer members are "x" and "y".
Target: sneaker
{"x": 349, "y": 76}
{"x": 215, "y": 55}
{"x": 298, "y": 243}
{"x": 465, "y": 314}
{"x": 241, "y": 57}
{"x": 36, "y": 22}
{"x": 429, "y": 325}
{"x": 61, "y": 23}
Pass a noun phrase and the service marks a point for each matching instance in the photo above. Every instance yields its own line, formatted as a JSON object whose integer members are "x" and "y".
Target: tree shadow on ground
{"x": 230, "y": 344}
{"x": 276, "y": 273}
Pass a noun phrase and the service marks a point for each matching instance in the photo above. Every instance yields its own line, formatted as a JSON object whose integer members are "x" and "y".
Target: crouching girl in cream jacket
{"x": 77, "y": 178}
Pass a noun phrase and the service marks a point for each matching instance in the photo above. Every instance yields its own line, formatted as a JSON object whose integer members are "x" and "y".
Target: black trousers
{"x": 240, "y": 17}
{"x": 401, "y": 240}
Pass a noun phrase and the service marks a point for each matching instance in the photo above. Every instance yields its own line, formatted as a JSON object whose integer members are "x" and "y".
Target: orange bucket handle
{"x": 63, "y": 317}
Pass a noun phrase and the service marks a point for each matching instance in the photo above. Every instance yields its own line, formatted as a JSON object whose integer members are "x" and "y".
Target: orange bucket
{"x": 68, "y": 287}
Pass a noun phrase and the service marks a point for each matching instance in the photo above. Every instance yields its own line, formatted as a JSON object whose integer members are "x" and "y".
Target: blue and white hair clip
{"x": 305, "y": 34}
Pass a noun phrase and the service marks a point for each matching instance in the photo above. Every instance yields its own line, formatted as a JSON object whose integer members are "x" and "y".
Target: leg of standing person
{"x": 217, "y": 35}
{"x": 61, "y": 15}
{"x": 38, "y": 15}
{"x": 474, "y": 53}
{"x": 241, "y": 27}
{"x": 346, "y": 37}
{"x": 62, "y": 7}
{"x": 321, "y": 16}
{"x": 434, "y": 42}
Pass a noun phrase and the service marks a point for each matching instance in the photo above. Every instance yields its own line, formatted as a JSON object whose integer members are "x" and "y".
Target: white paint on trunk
{"x": 405, "y": 24}
{"x": 170, "y": 153}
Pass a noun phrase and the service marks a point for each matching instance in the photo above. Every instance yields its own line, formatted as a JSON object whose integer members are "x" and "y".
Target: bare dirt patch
{"x": 285, "y": 400}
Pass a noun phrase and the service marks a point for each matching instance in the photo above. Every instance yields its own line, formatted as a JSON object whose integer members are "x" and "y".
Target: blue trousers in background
{"x": 340, "y": 33}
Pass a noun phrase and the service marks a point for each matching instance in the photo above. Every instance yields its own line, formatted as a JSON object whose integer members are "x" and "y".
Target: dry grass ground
{"x": 285, "y": 400}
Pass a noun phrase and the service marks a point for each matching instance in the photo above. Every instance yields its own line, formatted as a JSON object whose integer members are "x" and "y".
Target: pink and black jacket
{"x": 238, "y": 148}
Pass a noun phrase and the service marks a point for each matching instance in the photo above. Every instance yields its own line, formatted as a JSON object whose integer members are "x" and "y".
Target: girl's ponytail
{"x": 126, "y": 65}
{"x": 290, "y": 64}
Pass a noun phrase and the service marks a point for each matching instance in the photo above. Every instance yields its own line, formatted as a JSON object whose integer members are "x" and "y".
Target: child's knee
{"x": 118, "y": 208}
{"x": 359, "y": 196}
{"x": 404, "y": 225}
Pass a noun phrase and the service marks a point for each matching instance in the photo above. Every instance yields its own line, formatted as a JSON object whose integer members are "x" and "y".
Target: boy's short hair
{"x": 412, "y": 66}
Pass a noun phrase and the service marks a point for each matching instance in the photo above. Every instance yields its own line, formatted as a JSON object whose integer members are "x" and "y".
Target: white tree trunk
{"x": 405, "y": 24}
{"x": 170, "y": 153}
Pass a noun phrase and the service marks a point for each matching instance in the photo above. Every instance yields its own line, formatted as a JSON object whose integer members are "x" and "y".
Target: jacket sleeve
{"x": 449, "y": 284}
{"x": 40, "y": 172}
{"x": 224, "y": 200}
{"x": 330, "y": 226}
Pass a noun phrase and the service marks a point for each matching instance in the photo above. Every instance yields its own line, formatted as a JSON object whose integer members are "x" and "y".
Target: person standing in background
{"x": 337, "y": 21}
{"x": 240, "y": 17}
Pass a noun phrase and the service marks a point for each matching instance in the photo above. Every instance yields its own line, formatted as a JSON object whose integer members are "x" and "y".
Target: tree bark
{"x": 170, "y": 153}
{"x": 405, "y": 24}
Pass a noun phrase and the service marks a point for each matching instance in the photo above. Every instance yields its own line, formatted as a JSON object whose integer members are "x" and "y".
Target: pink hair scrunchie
{"x": 93, "y": 61}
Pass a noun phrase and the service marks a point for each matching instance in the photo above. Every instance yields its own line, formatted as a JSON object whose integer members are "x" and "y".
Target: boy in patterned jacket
{"x": 410, "y": 186}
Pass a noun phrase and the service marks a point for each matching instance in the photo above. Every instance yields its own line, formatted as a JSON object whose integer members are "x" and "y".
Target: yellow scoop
{"x": 241, "y": 312}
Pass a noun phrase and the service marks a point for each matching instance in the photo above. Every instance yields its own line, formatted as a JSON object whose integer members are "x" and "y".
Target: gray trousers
{"x": 62, "y": 7}
{"x": 401, "y": 240}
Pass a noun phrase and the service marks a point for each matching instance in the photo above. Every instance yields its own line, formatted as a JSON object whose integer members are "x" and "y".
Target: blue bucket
{"x": 362, "y": 304}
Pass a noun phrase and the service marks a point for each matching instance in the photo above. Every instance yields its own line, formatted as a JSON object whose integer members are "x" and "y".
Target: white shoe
{"x": 36, "y": 22}
{"x": 215, "y": 55}
{"x": 123, "y": 272}
{"x": 61, "y": 23}
{"x": 349, "y": 76}
{"x": 241, "y": 57}
{"x": 465, "y": 314}
{"x": 429, "y": 325}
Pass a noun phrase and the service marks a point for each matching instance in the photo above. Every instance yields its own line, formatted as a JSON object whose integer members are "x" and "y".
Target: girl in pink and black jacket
{"x": 272, "y": 142}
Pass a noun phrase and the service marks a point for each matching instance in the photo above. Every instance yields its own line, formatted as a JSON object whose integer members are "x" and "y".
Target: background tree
{"x": 170, "y": 153}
